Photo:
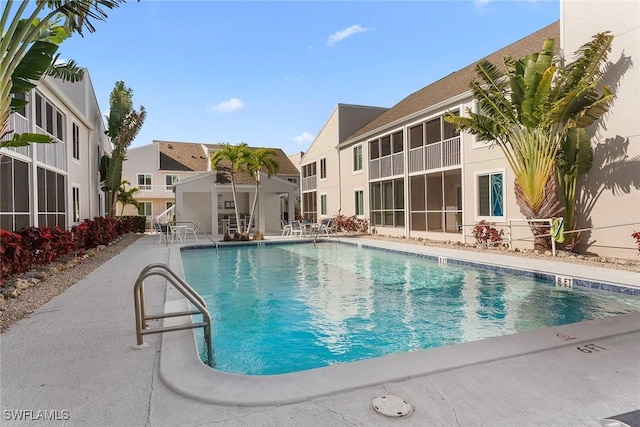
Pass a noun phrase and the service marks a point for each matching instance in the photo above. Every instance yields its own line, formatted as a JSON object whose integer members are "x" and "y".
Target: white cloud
{"x": 304, "y": 138}
{"x": 227, "y": 106}
{"x": 343, "y": 34}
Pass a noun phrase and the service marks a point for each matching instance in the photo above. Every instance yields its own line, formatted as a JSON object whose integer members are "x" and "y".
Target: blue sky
{"x": 270, "y": 73}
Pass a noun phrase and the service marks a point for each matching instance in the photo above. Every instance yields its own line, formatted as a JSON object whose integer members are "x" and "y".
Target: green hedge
{"x": 139, "y": 222}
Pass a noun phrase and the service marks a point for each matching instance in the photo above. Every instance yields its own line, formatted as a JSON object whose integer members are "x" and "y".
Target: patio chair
{"x": 326, "y": 227}
{"x": 161, "y": 231}
{"x": 192, "y": 230}
{"x": 232, "y": 228}
{"x": 296, "y": 228}
{"x": 286, "y": 228}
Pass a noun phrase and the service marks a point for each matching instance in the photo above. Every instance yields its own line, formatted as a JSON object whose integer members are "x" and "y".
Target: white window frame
{"x": 476, "y": 208}
{"x": 323, "y": 168}
{"x": 356, "y": 191}
{"x": 75, "y": 141}
{"x": 75, "y": 203}
{"x": 359, "y": 148}
{"x": 167, "y": 186}
{"x": 326, "y": 204}
{"x": 144, "y": 187}
{"x": 144, "y": 204}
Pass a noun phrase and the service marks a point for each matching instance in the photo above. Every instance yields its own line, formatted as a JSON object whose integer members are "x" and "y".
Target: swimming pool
{"x": 292, "y": 307}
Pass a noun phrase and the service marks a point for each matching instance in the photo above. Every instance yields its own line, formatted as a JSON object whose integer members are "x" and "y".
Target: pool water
{"x": 290, "y": 307}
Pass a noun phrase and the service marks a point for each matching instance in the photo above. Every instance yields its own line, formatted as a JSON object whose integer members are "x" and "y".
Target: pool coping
{"x": 182, "y": 370}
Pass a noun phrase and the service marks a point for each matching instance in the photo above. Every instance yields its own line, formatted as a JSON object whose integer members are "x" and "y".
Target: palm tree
{"x": 125, "y": 196}
{"x": 235, "y": 156}
{"x": 124, "y": 124}
{"x": 31, "y": 35}
{"x": 260, "y": 160}
{"x": 533, "y": 111}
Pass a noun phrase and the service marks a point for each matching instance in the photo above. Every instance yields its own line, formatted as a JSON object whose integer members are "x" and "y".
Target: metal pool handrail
{"x": 163, "y": 270}
{"x": 197, "y": 227}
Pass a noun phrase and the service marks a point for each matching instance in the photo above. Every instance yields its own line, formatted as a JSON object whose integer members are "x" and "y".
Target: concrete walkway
{"x": 73, "y": 360}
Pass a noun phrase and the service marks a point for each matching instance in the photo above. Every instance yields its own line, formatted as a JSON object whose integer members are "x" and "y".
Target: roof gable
{"x": 457, "y": 82}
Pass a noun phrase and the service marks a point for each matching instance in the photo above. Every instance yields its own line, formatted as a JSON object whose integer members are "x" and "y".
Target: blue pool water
{"x": 291, "y": 307}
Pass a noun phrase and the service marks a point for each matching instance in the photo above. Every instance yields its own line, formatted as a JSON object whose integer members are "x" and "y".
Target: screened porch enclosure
{"x": 436, "y": 202}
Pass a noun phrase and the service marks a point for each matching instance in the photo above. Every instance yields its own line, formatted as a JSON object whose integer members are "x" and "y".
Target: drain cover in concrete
{"x": 392, "y": 406}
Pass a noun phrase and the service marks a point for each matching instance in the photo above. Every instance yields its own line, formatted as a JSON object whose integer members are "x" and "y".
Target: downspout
{"x": 339, "y": 181}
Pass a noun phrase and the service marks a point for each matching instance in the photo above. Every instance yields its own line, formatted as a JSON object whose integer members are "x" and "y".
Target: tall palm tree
{"x": 125, "y": 196}
{"x": 31, "y": 33}
{"x": 260, "y": 161}
{"x": 124, "y": 125}
{"x": 235, "y": 156}
{"x": 533, "y": 108}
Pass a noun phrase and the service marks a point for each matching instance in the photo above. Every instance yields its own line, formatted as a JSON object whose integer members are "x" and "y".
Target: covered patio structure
{"x": 207, "y": 199}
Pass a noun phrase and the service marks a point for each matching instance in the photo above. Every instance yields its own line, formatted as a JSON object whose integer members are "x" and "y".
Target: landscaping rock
{"x": 10, "y": 292}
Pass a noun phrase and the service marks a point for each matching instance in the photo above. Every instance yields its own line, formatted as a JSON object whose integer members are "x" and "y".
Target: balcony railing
{"x": 309, "y": 183}
{"x": 390, "y": 165}
{"x": 435, "y": 156}
{"x": 153, "y": 191}
{"x": 18, "y": 124}
{"x": 54, "y": 154}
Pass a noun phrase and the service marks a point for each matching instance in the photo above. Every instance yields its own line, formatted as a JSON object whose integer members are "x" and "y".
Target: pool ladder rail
{"x": 187, "y": 291}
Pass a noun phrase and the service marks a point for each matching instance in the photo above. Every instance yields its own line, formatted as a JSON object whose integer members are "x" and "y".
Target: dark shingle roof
{"x": 182, "y": 156}
{"x": 286, "y": 168}
{"x": 457, "y": 82}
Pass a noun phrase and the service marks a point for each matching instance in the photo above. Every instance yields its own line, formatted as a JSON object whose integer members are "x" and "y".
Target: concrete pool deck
{"x": 75, "y": 359}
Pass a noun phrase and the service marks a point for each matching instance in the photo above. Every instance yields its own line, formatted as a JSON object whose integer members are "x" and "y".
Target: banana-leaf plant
{"x": 31, "y": 34}
{"x": 124, "y": 124}
{"x": 536, "y": 110}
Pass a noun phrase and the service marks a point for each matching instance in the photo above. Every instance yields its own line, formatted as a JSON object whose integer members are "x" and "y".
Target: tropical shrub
{"x": 636, "y": 235}
{"x": 14, "y": 258}
{"x": 47, "y": 244}
{"x": 351, "y": 224}
{"x": 132, "y": 224}
{"x": 486, "y": 234}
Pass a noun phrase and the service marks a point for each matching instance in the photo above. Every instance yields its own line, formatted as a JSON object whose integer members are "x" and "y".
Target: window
{"x": 76, "y": 142}
{"x": 323, "y": 204}
{"x": 359, "y": 202}
{"x": 308, "y": 170}
{"x": 76, "y": 204}
{"x": 416, "y": 136}
{"x": 144, "y": 181}
{"x": 23, "y": 98}
{"x": 49, "y": 118}
{"x": 292, "y": 179}
{"x": 51, "y": 199}
{"x": 144, "y": 209}
{"x": 14, "y": 194}
{"x": 490, "y": 195}
{"x": 398, "y": 146}
{"x": 169, "y": 180}
{"x": 387, "y": 203}
{"x": 323, "y": 168}
{"x": 357, "y": 158}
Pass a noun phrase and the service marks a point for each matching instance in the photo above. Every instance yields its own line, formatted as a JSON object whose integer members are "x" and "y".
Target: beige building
{"x": 46, "y": 185}
{"x": 175, "y": 181}
{"x": 410, "y": 173}
{"x": 320, "y": 166}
